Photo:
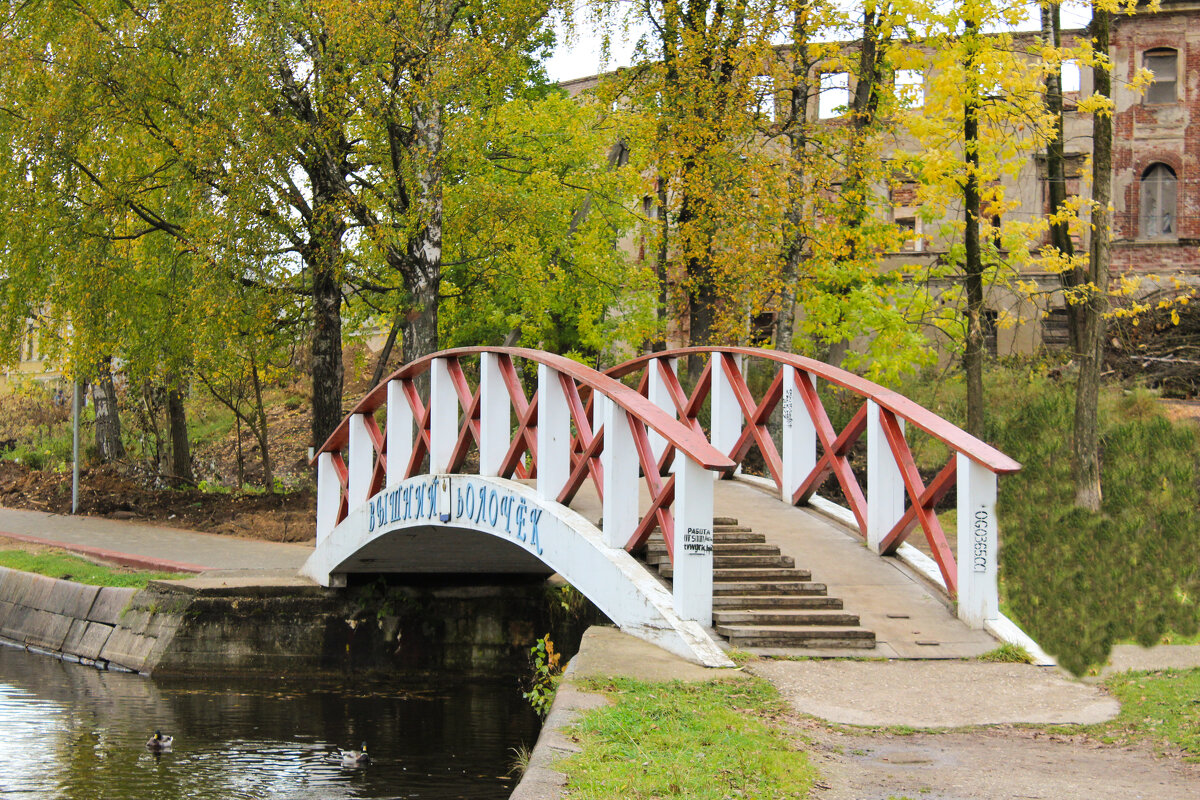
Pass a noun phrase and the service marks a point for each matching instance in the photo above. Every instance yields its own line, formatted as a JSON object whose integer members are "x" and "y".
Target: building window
{"x": 1164, "y": 64}
{"x": 910, "y": 230}
{"x": 991, "y": 331}
{"x": 1158, "y": 195}
{"x": 1070, "y": 76}
{"x": 762, "y": 93}
{"x": 835, "y": 94}
{"x": 1056, "y": 332}
{"x": 910, "y": 88}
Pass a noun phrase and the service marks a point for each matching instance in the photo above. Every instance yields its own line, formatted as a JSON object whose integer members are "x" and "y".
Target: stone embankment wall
{"x": 181, "y": 627}
{"x": 73, "y": 619}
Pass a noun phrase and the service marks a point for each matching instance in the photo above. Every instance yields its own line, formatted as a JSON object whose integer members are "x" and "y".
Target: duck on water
{"x": 355, "y": 758}
{"x": 159, "y": 743}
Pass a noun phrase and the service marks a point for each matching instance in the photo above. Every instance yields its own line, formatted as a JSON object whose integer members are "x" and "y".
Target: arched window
{"x": 1158, "y": 193}
{"x": 1164, "y": 63}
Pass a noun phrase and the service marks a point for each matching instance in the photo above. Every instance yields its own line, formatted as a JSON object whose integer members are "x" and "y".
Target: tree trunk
{"x": 973, "y": 262}
{"x": 795, "y": 237}
{"x": 424, "y": 277}
{"x": 260, "y": 427}
{"x": 1086, "y": 454}
{"x": 1056, "y": 180}
{"x": 661, "y": 255}
{"x": 108, "y": 422}
{"x": 386, "y": 353}
{"x": 181, "y": 454}
{"x": 327, "y": 369}
{"x": 864, "y": 108}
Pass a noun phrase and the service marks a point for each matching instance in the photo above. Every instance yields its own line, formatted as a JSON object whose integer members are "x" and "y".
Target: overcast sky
{"x": 579, "y": 56}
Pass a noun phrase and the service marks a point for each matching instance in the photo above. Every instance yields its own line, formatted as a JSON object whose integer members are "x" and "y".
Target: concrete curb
{"x": 111, "y": 556}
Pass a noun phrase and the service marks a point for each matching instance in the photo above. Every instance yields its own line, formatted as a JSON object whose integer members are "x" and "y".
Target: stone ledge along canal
{"x": 74, "y": 732}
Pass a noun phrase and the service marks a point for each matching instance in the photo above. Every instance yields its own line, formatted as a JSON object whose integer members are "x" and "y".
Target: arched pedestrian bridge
{"x": 449, "y": 466}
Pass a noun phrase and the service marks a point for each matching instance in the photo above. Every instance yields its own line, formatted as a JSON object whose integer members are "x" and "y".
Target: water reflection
{"x": 68, "y": 731}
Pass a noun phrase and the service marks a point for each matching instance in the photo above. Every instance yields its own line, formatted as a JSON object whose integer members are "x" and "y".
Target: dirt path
{"x": 999, "y": 763}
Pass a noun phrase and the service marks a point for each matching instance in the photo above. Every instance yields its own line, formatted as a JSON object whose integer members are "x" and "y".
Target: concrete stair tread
{"x": 796, "y": 587}
{"x": 768, "y": 602}
{"x": 748, "y": 574}
{"x": 744, "y": 573}
{"x": 836, "y": 638}
{"x": 783, "y": 617}
{"x": 725, "y": 548}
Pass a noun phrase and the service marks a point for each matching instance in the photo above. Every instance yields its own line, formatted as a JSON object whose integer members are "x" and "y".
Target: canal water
{"x": 74, "y": 732}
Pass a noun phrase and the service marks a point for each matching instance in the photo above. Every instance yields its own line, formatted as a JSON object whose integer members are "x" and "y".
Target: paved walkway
{"x": 148, "y": 546}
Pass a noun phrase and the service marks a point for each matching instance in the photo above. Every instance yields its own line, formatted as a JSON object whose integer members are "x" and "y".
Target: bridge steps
{"x": 744, "y": 574}
{"x": 760, "y": 598}
{"x": 766, "y": 601}
{"x": 774, "y": 588}
{"x": 773, "y": 617}
{"x": 789, "y": 636}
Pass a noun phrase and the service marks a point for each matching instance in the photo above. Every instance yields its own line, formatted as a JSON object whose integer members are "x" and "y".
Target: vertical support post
{"x": 361, "y": 459}
{"x": 658, "y": 393}
{"x": 885, "y": 485}
{"x": 799, "y": 436}
{"x": 725, "y": 412}
{"x": 76, "y": 393}
{"x": 978, "y": 544}
{"x": 329, "y": 495}
{"x": 399, "y": 432}
{"x": 693, "y": 511}
{"x": 443, "y": 416}
{"x": 495, "y": 415}
{"x": 553, "y": 434}
{"x": 620, "y": 461}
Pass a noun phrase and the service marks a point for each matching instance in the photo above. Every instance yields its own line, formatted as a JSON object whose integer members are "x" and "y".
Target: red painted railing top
{"x": 956, "y": 438}
{"x": 688, "y": 441}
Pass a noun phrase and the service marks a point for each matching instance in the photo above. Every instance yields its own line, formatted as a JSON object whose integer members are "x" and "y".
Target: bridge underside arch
{"x": 486, "y": 525}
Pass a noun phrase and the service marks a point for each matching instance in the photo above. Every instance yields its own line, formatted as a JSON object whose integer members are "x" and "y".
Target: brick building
{"x": 1156, "y": 181}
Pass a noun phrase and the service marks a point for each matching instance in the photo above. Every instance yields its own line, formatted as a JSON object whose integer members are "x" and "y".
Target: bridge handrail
{"x": 678, "y": 434}
{"x": 897, "y": 499}
{"x": 943, "y": 430}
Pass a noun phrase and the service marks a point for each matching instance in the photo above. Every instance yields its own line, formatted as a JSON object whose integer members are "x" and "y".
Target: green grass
{"x": 1160, "y": 709}
{"x": 696, "y": 740}
{"x": 57, "y": 564}
{"x": 1008, "y": 653}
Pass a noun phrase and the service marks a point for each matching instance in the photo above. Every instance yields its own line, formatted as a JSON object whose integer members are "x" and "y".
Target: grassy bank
{"x": 699, "y": 740}
{"x": 58, "y": 564}
{"x": 1159, "y": 709}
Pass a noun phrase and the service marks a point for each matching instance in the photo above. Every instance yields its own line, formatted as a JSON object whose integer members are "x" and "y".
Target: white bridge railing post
{"x": 399, "y": 432}
{"x": 553, "y": 434}
{"x": 360, "y": 458}
{"x": 329, "y": 496}
{"x": 693, "y": 557}
{"x": 443, "y": 416}
{"x": 726, "y": 412}
{"x": 799, "y": 436}
{"x": 621, "y": 475}
{"x": 978, "y": 544}
{"x": 658, "y": 393}
{"x": 885, "y": 486}
{"x": 495, "y": 416}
